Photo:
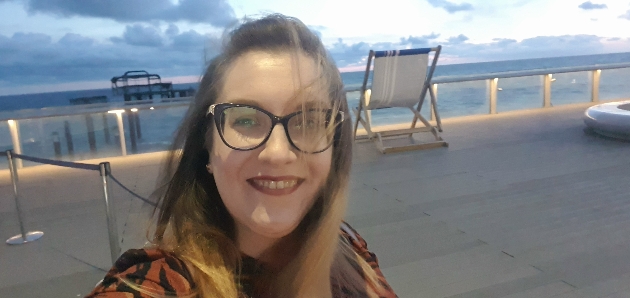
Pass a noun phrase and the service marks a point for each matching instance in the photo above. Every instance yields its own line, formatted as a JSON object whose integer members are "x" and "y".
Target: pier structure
{"x": 141, "y": 86}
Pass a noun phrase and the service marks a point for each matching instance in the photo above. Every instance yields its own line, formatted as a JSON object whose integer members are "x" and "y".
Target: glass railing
{"x": 96, "y": 131}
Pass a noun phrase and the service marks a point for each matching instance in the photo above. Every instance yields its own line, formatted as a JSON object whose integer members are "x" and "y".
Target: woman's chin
{"x": 274, "y": 230}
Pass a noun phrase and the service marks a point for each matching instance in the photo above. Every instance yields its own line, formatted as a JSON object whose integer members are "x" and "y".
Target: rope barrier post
{"x": 112, "y": 228}
{"x": 15, "y": 139}
{"x": 23, "y": 237}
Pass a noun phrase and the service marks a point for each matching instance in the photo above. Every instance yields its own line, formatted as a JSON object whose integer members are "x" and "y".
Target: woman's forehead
{"x": 302, "y": 68}
{"x": 284, "y": 80}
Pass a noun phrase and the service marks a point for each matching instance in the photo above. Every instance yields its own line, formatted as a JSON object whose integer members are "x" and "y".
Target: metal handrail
{"x": 159, "y": 103}
{"x": 525, "y": 73}
{"x": 512, "y": 74}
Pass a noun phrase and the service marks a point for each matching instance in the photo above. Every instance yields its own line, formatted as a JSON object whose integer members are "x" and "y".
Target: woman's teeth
{"x": 276, "y": 184}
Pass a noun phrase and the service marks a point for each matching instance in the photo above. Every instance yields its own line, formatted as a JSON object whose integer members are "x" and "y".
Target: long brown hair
{"x": 194, "y": 224}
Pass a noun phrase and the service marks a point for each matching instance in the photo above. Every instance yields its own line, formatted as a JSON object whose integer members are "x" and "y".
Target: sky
{"x": 56, "y": 45}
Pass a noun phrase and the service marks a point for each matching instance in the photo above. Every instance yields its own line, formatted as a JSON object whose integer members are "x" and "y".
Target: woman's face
{"x": 268, "y": 190}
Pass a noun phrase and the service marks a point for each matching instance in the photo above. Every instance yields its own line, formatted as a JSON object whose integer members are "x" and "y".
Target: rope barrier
{"x": 66, "y": 164}
{"x": 104, "y": 170}
{"x": 77, "y": 165}
{"x": 131, "y": 192}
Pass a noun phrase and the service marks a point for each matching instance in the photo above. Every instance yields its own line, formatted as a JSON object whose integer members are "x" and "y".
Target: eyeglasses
{"x": 244, "y": 127}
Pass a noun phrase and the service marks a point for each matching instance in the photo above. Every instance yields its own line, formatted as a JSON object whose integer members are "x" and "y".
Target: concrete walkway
{"x": 521, "y": 204}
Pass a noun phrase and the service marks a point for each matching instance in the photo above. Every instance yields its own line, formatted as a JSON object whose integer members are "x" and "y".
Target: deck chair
{"x": 400, "y": 79}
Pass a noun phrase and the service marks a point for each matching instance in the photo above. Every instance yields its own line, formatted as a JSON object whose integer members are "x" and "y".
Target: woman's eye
{"x": 245, "y": 122}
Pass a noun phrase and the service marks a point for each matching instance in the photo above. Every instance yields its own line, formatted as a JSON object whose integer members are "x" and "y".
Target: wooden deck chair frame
{"x": 387, "y": 97}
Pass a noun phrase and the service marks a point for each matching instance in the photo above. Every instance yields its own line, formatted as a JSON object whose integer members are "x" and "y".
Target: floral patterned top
{"x": 161, "y": 273}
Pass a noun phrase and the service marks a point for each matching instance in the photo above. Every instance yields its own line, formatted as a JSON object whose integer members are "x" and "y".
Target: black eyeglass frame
{"x": 218, "y": 108}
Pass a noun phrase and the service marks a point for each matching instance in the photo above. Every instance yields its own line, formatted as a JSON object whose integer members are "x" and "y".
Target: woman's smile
{"x": 276, "y": 186}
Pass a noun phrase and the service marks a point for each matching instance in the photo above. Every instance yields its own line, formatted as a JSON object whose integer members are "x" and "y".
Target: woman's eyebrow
{"x": 245, "y": 101}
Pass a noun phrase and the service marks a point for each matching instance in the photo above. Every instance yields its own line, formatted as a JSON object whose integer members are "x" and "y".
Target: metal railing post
{"x": 112, "y": 227}
{"x": 431, "y": 107}
{"x": 547, "y": 90}
{"x": 14, "y": 129}
{"x": 492, "y": 85}
{"x": 595, "y": 85}
{"x": 24, "y": 236}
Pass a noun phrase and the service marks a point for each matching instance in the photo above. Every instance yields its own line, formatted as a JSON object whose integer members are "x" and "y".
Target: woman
{"x": 255, "y": 190}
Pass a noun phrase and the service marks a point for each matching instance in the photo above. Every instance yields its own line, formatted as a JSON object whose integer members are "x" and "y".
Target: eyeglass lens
{"x": 246, "y": 128}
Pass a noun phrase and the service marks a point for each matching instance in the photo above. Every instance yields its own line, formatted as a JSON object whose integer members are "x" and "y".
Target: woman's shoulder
{"x": 359, "y": 245}
{"x": 145, "y": 271}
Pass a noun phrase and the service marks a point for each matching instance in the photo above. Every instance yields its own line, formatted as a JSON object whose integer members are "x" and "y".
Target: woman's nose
{"x": 278, "y": 149}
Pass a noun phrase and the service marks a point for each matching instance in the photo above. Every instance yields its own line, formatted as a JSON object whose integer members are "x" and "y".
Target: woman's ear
{"x": 209, "y": 168}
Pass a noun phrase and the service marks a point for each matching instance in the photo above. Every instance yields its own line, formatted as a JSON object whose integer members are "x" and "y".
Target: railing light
{"x": 599, "y": 70}
{"x": 11, "y": 122}
{"x": 116, "y": 111}
{"x": 134, "y": 110}
{"x": 151, "y": 108}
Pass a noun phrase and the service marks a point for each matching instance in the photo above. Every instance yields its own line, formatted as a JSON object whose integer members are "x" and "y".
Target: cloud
{"x": 450, "y": 7}
{"x": 139, "y": 35}
{"x": 218, "y": 13}
{"x": 37, "y": 59}
{"x": 458, "y": 39}
{"x": 76, "y": 40}
{"x": 29, "y": 58}
{"x": 588, "y": 5}
{"x": 626, "y": 15}
{"x": 317, "y": 30}
{"x": 457, "y": 49}
{"x": 418, "y": 41}
{"x": 172, "y": 30}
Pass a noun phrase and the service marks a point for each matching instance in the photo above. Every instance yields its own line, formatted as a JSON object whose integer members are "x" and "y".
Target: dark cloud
{"x": 588, "y": 5}
{"x": 140, "y": 35}
{"x": 172, "y": 30}
{"x": 189, "y": 40}
{"x": 76, "y": 40}
{"x": 36, "y": 59}
{"x": 29, "y": 58}
{"x": 457, "y": 39}
{"x": 450, "y": 7}
{"x": 626, "y": 15}
{"x": 215, "y": 12}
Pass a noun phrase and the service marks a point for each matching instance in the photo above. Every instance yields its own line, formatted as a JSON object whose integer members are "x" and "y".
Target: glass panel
{"x": 613, "y": 84}
{"x": 78, "y": 137}
{"x": 5, "y": 143}
{"x": 462, "y": 99}
{"x": 572, "y": 87}
{"x": 353, "y": 102}
{"x": 156, "y": 128}
{"x": 519, "y": 93}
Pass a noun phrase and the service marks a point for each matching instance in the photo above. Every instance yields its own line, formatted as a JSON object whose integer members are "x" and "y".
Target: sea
{"x": 40, "y": 137}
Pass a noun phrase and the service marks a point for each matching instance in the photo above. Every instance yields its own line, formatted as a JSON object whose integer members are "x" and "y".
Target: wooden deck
{"x": 521, "y": 204}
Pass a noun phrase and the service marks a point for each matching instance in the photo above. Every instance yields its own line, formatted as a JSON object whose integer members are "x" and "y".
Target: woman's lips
{"x": 275, "y": 185}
